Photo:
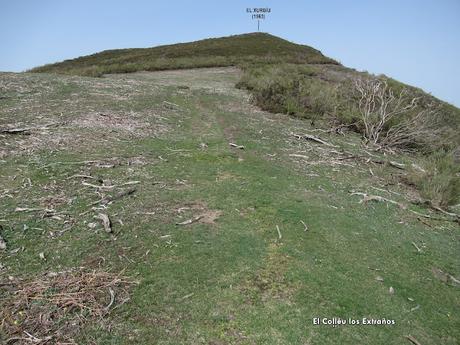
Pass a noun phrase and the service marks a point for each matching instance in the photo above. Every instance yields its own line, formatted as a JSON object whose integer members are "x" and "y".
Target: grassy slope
{"x": 233, "y": 282}
{"x": 226, "y": 51}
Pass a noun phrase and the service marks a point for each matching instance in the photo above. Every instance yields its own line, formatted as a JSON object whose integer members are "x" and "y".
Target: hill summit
{"x": 211, "y": 52}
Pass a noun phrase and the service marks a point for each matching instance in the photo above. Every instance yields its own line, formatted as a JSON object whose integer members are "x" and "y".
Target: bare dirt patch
{"x": 125, "y": 122}
{"x": 201, "y": 213}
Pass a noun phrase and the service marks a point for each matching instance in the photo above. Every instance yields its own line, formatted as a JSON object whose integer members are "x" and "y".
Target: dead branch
{"x": 80, "y": 176}
{"x": 305, "y": 225}
{"x": 111, "y": 186}
{"x": 117, "y": 196}
{"x": 445, "y": 277}
{"x": 112, "y": 299}
{"x": 61, "y": 303}
{"x": 416, "y": 247}
{"x": 313, "y": 138}
{"x": 412, "y": 340}
{"x": 190, "y": 221}
{"x": 25, "y": 130}
{"x": 366, "y": 198}
{"x": 298, "y": 156}
{"x": 393, "y": 120}
{"x": 397, "y": 165}
{"x": 279, "y": 232}
{"x": 241, "y": 147}
{"x": 105, "y": 221}
{"x": 171, "y": 105}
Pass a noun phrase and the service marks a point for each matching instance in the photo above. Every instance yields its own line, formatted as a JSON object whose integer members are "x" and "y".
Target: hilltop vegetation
{"x": 214, "y": 52}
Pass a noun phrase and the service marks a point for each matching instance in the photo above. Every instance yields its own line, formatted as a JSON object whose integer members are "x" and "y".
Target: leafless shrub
{"x": 394, "y": 120}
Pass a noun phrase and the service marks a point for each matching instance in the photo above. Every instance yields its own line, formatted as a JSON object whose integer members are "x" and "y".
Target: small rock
{"x": 379, "y": 279}
{"x": 391, "y": 290}
{"x": 42, "y": 256}
{"x": 92, "y": 225}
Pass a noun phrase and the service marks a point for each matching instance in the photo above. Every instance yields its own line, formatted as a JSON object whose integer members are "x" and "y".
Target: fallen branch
{"x": 112, "y": 299}
{"x": 305, "y": 225}
{"x": 397, "y": 165}
{"x": 434, "y": 218}
{"x": 25, "y": 130}
{"x": 445, "y": 212}
{"x": 241, "y": 147}
{"x": 298, "y": 156}
{"x": 445, "y": 277}
{"x": 416, "y": 247}
{"x": 279, "y": 232}
{"x": 106, "y": 221}
{"x": 27, "y": 209}
{"x": 171, "y": 105}
{"x": 117, "y": 196}
{"x": 130, "y": 183}
{"x": 366, "y": 198}
{"x": 412, "y": 340}
{"x": 313, "y": 138}
{"x": 190, "y": 221}
{"x": 80, "y": 176}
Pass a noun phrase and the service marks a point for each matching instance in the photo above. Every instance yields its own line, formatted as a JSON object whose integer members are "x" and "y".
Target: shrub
{"x": 291, "y": 89}
{"x": 393, "y": 119}
{"x": 439, "y": 179}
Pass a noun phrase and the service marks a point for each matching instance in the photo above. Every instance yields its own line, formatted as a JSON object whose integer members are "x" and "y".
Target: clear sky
{"x": 414, "y": 41}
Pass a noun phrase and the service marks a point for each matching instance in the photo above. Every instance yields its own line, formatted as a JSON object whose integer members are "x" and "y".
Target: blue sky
{"x": 414, "y": 41}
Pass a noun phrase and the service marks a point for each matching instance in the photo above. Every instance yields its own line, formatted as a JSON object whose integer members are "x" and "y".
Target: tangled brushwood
{"x": 52, "y": 308}
{"x": 394, "y": 120}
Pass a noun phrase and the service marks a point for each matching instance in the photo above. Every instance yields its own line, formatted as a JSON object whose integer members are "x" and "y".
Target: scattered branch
{"x": 313, "y": 138}
{"x": 241, "y": 147}
{"x": 190, "y": 221}
{"x": 105, "y": 221}
{"x": 412, "y": 340}
{"x": 416, "y": 247}
{"x": 53, "y": 308}
{"x": 279, "y": 232}
{"x": 305, "y": 225}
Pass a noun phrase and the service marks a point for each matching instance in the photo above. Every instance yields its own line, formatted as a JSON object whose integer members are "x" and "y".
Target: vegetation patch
{"x": 53, "y": 308}
{"x": 213, "y": 52}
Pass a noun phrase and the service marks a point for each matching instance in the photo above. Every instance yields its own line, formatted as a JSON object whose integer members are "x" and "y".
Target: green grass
{"x": 235, "y": 281}
{"x": 213, "y": 52}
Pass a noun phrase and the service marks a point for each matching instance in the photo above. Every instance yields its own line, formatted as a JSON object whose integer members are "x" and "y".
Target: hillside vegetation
{"x": 204, "y": 242}
{"x": 225, "y": 205}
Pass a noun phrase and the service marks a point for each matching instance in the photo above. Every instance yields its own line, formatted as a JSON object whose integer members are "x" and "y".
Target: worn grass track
{"x": 227, "y": 278}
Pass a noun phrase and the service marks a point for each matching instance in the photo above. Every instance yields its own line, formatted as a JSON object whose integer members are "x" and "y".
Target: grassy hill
{"x": 282, "y": 77}
{"x": 169, "y": 207}
{"x": 226, "y": 51}
{"x": 226, "y": 245}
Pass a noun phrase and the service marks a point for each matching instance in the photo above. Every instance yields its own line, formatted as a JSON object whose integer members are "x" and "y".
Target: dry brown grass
{"x": 51, "y": 309}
